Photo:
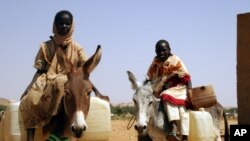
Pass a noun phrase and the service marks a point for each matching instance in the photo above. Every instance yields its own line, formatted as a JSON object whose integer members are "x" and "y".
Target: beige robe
{"x": 44, "y": 95}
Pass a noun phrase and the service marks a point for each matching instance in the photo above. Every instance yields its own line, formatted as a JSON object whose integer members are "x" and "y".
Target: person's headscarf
{"x": 63, "y": 40}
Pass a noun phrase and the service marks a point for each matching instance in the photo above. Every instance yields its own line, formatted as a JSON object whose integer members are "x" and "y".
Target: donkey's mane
{"x": 146, "y": 81}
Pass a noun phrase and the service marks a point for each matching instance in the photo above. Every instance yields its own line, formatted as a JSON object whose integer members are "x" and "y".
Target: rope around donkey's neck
{"x": 131, "y": 124}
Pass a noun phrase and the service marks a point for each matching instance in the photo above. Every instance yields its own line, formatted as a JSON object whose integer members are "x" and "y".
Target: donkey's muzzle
{"x": 78, "y": 131}
{"x": 140, "y": 129}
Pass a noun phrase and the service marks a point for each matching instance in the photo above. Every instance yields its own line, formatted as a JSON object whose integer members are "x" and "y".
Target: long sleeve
{"x": 82, "y": 56}
{"x": 40, "y": 62}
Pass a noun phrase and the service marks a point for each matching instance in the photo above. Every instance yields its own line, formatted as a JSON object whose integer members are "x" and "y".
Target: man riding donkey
{"x": 174, "y": 91}
{"x": 47, "y": 86}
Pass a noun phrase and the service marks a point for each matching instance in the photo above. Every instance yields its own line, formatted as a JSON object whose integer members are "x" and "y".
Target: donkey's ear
{"x": 63, "y": 60}
{"x": 157, "y": 85}
{"x": 93, "y": 61}
{"x": 135, "y": 84}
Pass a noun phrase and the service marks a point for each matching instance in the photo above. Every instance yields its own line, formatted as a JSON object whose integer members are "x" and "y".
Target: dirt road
{"x": 120, "y": 132}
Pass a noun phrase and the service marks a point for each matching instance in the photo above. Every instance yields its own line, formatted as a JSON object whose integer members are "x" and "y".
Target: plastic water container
{"x": 12, "y": 123}
{"x": 1, "y": 129}
{"x": 201, "y": 126}
{"x": 13, "y": 129}
{"x": 98, "y": 121}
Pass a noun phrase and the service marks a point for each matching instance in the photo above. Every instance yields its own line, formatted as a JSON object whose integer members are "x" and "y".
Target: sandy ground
{"x": 121, "y": 133}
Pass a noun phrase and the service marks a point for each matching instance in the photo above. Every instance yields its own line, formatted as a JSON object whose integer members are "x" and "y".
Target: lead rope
{"x": 129, "y": 124}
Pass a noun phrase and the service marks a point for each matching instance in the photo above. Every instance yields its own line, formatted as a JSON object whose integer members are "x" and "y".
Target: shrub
{"x": 122, "y": 112}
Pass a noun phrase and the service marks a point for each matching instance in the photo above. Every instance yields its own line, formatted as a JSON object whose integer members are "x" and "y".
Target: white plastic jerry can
{"x": 98, "y": 121}
{"x": 201, "y": 126}
{"x": 13, "y": 124}
{"x": 2, "y": 127}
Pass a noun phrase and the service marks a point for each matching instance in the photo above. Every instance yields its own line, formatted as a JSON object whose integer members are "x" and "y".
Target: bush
{"x": 122, "y": 111}
{"x": 231, "y": 110}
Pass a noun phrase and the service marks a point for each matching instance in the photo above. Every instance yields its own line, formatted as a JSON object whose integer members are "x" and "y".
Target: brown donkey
{"x": 70, "y": 122}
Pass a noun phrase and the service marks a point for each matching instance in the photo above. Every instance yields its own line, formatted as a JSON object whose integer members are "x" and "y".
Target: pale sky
{"x": 201, "y": 33}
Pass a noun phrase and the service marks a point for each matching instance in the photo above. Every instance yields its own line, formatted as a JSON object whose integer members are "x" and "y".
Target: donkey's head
{"x": 144, "y": 100}
{"x": 76, "y": 101}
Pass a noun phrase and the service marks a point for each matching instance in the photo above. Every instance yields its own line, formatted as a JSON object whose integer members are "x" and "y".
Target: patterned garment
{"x": 174, "y": 93}
{"x": 47, "y": 54}
{"x": 174, "y": 89}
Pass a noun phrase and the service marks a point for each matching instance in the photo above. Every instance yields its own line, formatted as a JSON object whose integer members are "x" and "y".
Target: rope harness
{"x": 131, "y": 124}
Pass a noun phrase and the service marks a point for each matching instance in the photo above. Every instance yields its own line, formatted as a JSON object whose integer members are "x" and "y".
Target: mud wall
{"x": 243, "y": 67}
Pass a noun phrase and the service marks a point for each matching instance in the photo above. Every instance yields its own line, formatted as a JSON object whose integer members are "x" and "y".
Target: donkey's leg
{"x": 30, "y": 134}
{"x": 46, "y": 131}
